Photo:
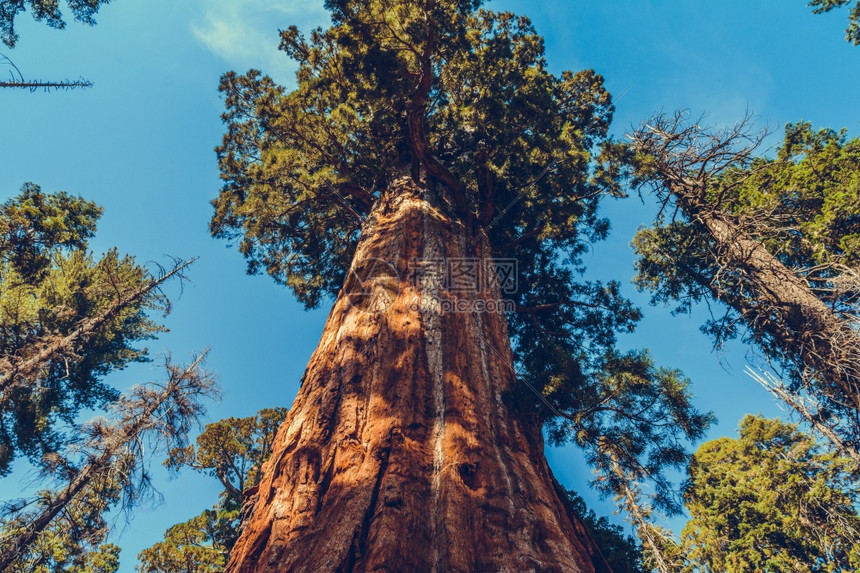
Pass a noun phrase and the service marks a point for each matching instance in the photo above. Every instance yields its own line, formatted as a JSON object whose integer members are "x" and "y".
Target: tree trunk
{"x": 21, "y": 371}
{"x": 784, "y": 306}
{"x": 400, "y": 453}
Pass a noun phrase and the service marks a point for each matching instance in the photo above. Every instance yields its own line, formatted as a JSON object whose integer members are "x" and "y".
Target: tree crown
{"x": 771, "y": 500}
{"x": 47, "y": 11}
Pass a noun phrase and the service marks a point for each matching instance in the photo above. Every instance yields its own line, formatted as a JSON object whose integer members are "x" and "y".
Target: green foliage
{"x": 74, "y": 542}
{"x": 232, "y": 450}
{"x": 811, "y": 193}
{"x": 632, "y": 419}
{"x": 50, "y": 286}
{"x": 34, "y": 225}
{"x": 771, "y": 500}
{"x": 189, "y": 547}
{"x": 47, "y": 11}
{"x": 803, "y": 206}
{"x": 622, "y": 553}
{"x": 852, "y": 33}
{"x": 301, "y": 168}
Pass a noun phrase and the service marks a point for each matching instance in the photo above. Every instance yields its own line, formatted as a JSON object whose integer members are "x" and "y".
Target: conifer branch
{"x": 115, "y": 450}
{"x": 24, "y": 370}
{"x": 17, "y": 80}
{"x": 34, "y": 85}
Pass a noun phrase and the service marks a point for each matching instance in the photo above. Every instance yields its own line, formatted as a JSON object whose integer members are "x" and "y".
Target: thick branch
{"x": 486, "y": 188}
{"x": 522, "y": 239}
{"x": 418, "y": 145}
{"x": 357, "y": 192}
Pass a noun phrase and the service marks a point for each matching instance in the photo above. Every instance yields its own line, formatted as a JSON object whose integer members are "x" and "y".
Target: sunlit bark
{"x": 401, "y": 452}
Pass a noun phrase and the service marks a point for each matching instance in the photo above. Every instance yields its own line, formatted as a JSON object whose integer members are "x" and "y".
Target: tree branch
{"x": 522, "y": 239}
{"x": 22, "y": 370}
{"x": 486, "y": 188}
{"x": 415, "y": 116}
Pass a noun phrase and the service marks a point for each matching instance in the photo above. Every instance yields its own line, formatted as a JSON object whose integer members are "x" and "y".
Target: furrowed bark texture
{"x": 400, "y": 454}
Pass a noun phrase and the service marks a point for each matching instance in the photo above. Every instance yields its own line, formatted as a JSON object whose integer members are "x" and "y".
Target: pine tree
{"x": 67, "y": 319}
{"x": 193, "y": 546}
{"x": 112, "y": 468}
{"x": 771, "y": 500}
{"x": 74, "y": 542}
{"x": 434, "y": 178}
{"x": 777, "y": 240}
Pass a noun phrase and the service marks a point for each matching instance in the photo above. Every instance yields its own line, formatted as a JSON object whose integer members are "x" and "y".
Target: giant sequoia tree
{"x": 434, "y": 178}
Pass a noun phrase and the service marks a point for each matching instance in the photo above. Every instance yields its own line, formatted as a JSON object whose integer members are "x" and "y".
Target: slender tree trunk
{"x": 400, "y": 453}
{"x": 21, "y": 371}
{"x": 641, "y": 520}
{"x": 784, "y": 306}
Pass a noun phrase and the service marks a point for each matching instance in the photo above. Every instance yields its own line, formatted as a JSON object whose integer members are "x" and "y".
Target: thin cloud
{"x": 244, "y": 33}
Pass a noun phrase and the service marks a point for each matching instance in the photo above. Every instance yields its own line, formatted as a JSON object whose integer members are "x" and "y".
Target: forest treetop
{"x": 47, "y": 11}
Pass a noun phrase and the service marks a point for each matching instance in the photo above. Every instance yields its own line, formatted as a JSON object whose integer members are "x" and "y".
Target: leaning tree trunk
{"x": 783, "y": 306}
{"x": 400, "y": 453}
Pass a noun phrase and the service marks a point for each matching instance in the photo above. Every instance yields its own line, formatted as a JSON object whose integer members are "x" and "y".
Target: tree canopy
{"x": 232, "y": 450}
{"x": 193, "y": 546}
{"x": 66, "y": 527}
{"x": 302, "y": 168}
{"x": 47, "y": 11}
{"x": 75, "y": 542}
{"x": 771, "y": 500}
{"x": 67, "y": 319}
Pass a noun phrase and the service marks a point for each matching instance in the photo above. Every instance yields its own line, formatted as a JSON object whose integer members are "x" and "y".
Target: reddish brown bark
{"x": 400, "y": 453}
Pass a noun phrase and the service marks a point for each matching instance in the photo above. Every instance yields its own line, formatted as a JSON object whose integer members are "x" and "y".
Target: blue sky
{"x": 140, "y": 143}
